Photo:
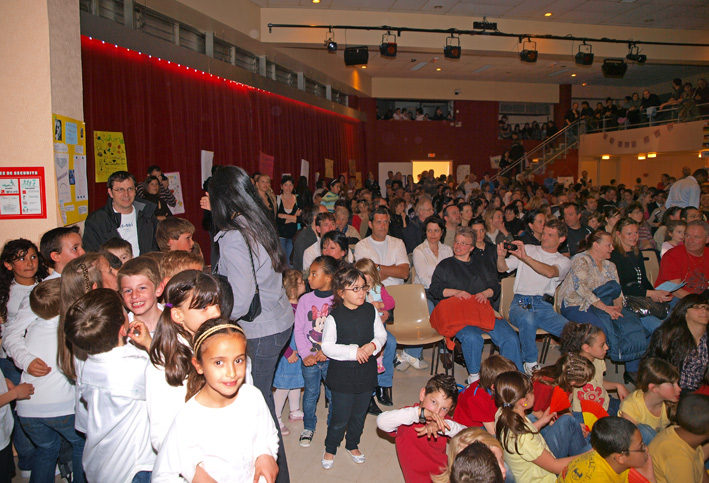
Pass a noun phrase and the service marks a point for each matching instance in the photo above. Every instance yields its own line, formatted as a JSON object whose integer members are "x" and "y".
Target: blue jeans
{"x": 312, "y": 376}
{"x": 647, "y": 433}
{"x": 23, "y": 445}
{"x": 142, "y": 477}
{"x": 386, "y": 378}
{"x": 540, "y": 315}
{"x": 650, "y": 323}
{"x": 265, "y": 353}
{"x": 564, "y": 437}
{"x": 47, "y": 434}
{"x": 287, "y": 245}
{"x": 503, "y": 336}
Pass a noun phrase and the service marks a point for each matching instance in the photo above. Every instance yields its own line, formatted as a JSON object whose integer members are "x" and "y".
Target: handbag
{"x": 255, "y": 307}
{"x": 645, "y": 307}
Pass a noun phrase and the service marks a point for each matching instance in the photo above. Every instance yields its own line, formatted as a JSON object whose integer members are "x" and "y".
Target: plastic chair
{"x": 411, "y": 325}
{"x": 652, "y": 265}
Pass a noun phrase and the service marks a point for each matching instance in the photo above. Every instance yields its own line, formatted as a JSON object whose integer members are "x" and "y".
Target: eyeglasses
{"x": 642, "y": 449}
{"x": 700, "y": 307}
{"x": 364, "y": 288}
{"x": 121, "y": 191}
{"x": 464, "y": 244}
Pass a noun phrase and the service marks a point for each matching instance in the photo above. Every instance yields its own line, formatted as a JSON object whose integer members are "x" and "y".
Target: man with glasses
{"x": 124, "y": 216}
{"x": 688, "y": 262}
{"x": 415, "y": 231}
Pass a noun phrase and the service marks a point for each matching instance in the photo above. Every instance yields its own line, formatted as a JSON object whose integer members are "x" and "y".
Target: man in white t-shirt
{"x": 387, "y": 252}
{"x": 540, "y": 270}
{"x": 123, "y": 216}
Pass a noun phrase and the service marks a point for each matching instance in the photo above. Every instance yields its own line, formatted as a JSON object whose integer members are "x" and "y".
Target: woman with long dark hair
{"x": 249, "y": 248}
{"x": 682, "y": 340}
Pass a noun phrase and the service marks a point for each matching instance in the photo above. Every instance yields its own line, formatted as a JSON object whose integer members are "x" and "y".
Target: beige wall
{"x": 469, "y": 90}
{"x": 625, "y": 169}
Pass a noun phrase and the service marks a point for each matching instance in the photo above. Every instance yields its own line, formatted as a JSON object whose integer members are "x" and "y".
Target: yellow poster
{"x": 70, "y": 168}
{"x": 110, "y": 154}
{"x": 329, "y": 168}
{"x": 353, "y": 167}
{"x": 358, "y": 179}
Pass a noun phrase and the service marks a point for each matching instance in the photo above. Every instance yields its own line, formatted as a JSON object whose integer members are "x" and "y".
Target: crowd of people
{"x": 125, "y": 360}
{"x": 418, "y": 114}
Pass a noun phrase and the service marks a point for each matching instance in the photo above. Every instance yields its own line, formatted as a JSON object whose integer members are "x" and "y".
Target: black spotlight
{"x": 635, "y": 56}
{"x": 452, "y": 49}
{"x": 614, "y": 68}
{"x": 356, "y": 55}
{"x": 330, "y": 43}
{"x": 388, "y": 46}
{"x": 584, "y": 55}
{"x": 529, "y": 52}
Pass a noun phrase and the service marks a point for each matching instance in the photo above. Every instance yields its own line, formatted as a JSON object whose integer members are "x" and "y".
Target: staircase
{"x": 553, "y": 148}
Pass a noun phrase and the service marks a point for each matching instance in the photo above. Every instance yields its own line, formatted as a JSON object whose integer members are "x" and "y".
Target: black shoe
{"x": 327, "y": 403}
{"x": 373, "y": 408}
{"x": 446, "y": 360}
{"x": 629, "y": 377}
{"x": 384, "y": 396}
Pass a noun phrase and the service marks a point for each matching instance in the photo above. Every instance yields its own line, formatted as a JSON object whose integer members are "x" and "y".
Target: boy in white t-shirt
{"x": 139, "y": 285}
{"x": 117, "y": 445}
{"x": 48, "y": 417}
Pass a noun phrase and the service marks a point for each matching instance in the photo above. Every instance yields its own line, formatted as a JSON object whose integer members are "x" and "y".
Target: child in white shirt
{"x": 48, "y": 417}
{"x": 226, "y": 429}
{"x": 117, "y": 445}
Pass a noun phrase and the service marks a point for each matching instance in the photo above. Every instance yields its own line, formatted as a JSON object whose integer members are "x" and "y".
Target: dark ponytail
{"x": 510, "y": 387}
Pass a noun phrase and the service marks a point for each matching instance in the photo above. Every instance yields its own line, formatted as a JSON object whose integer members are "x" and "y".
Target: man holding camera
{"x": 540, "y": 270}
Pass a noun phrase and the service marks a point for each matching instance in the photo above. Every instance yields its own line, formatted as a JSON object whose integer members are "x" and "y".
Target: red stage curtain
{"x": 168, "y": 114}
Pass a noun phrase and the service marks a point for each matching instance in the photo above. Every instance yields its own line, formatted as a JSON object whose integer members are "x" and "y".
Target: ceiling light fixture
{"x": 585, "y": 55}
{"x": 651, "y": 155}
{"x": 438, "y": 69}
{"x": 641, "y": 157}
{"x": 330, "y": 43}
{"x": 316, "y": 1}
{"x": 388, "y": 47}
{"x": 614, "y": 68}
{"x": 606, "y": 156}
{"x": 548, "y": 14}
{"x": 529, "y": 51}
{"x": 634, "y": 55}
{"x": 573, "y": 75}
{"x": 452, "y": 49}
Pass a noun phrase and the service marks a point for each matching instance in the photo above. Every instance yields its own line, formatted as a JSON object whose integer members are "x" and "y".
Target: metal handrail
{"x": 569, "y": 136}
{"x": 650, "y": 122}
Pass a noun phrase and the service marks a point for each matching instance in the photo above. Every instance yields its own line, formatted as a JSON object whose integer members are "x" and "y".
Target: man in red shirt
{"x": 688, "y": 262}
{"x": 421, "y": 456}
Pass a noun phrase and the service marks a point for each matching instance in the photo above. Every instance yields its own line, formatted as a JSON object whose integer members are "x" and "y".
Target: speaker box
{"x": 614, "y": 68}
{"x": 356, "y": 55}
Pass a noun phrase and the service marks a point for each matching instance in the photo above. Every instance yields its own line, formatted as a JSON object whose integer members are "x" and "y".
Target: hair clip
{"x": 507, "y": 405}
{"x": 85, "y": 272}
{"x": 168, "y": 305}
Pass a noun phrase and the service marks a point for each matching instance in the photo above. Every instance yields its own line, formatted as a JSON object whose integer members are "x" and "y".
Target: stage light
{"x": 651, "y": 155}
{"x": 614, "y": 68}
{"x": 529, "y": 52}
{"x": 356, "y": 55}
{"x": 606, "y": 156}
{"x": 452, "y": 49}
{"x": 634, "y": 55}
{"x": 330, "y": 43}
{"x": 388, "y": 46}
{"x": 584, "y": 55}
{"x": 641, "y": 157}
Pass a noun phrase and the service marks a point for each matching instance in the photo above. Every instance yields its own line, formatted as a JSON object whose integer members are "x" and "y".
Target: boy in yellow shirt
{"x": 619, "y": 456}
{"x": 677, "y": 452}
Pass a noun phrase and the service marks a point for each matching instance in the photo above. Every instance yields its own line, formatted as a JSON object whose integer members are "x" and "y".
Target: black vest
{"x": 353, "y": 327}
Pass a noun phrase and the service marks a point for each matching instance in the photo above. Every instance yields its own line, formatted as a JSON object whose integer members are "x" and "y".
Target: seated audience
{"x": 689, "y": 262}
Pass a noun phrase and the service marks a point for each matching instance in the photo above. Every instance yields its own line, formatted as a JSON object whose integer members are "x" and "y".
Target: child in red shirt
{"x": 476, "y": 405}
{"x": 421, "y": 456}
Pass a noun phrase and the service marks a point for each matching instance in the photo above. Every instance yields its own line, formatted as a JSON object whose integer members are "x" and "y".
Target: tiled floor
{"x": 382, "y": 464}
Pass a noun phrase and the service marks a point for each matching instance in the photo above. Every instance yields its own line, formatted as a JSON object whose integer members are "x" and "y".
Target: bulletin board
{"x": 22, "y": 193}
{"x": 70, "y": 168}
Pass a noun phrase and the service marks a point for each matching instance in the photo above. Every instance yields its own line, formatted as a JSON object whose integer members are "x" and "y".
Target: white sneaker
{"x": 401, "y": 364}
{"x": 25, "y": 474}
{"x": 473, "y": 378}
{"x": 415, "y": 363}
{"x": 531, "y": 367}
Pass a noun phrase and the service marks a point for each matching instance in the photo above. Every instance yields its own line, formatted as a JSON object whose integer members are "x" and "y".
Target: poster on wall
{"x": 265, "y": 164}
{"x": 495, "y": 161}
{"x": 353, "y": 167}
{"x": 305, "y": 169}
{"x": 22, "y": 193}
{"x": 109, "y": 154}
{"x": 175, "y": 187}
{"x": 206, "y": 162}
{"x": 462, "y": 171}
{"x": 70, "y": 168}
{"x": 329, "y": 168}
{"x": 358, "y": 179}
